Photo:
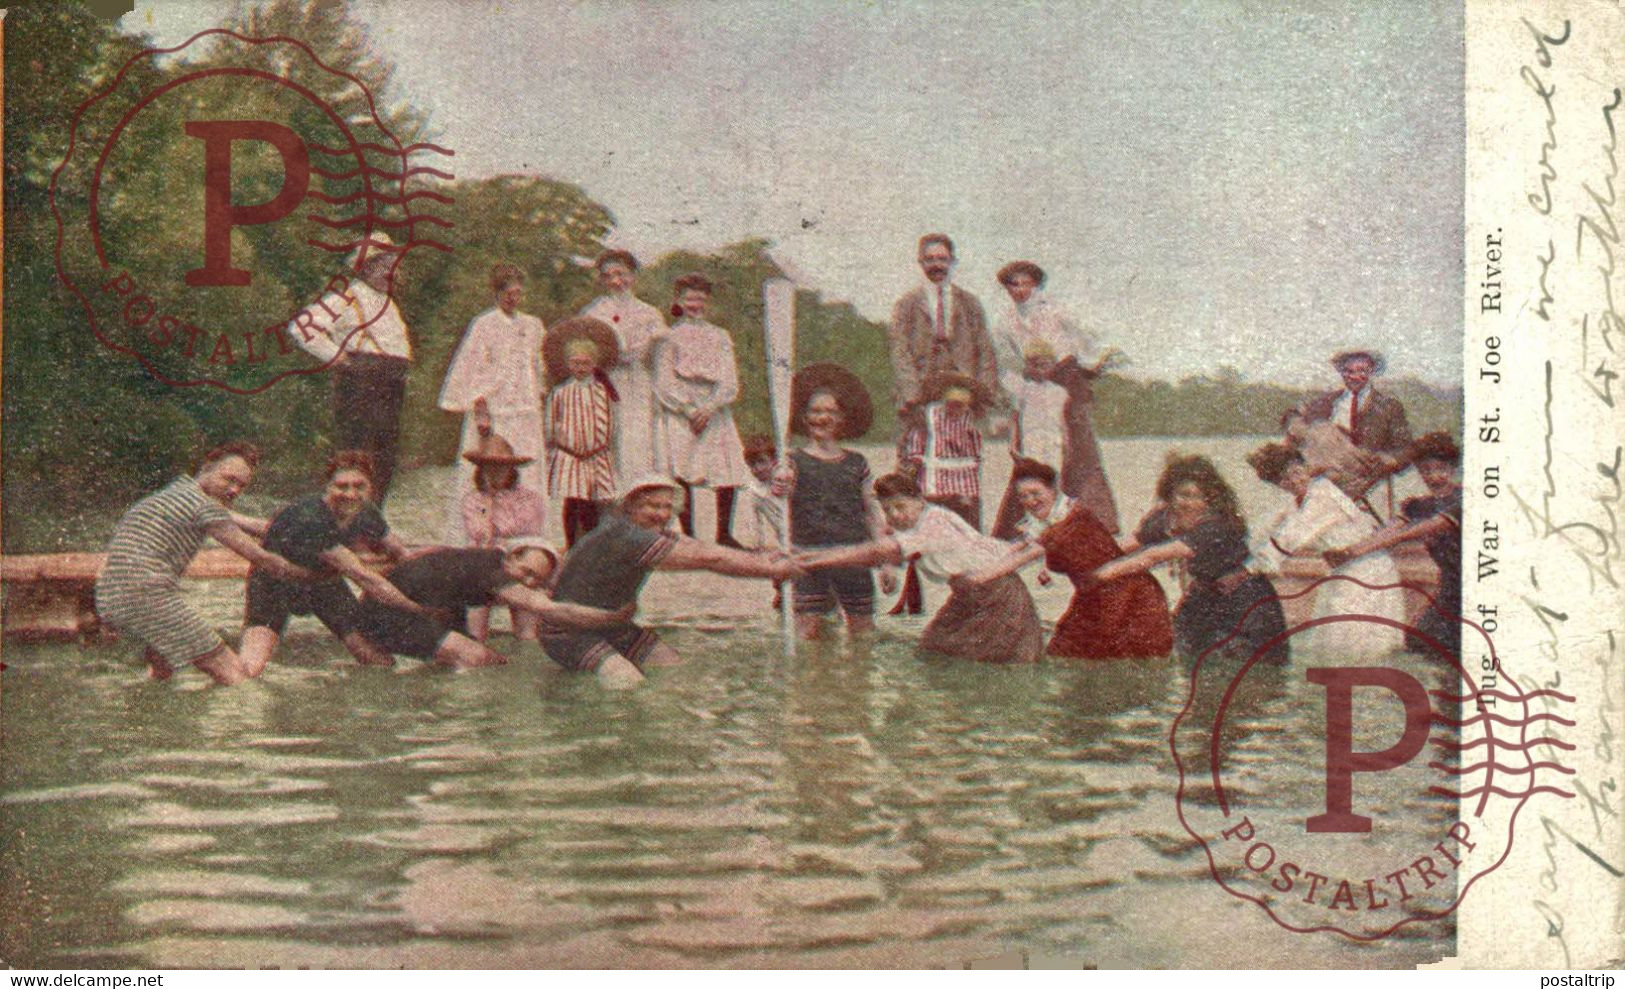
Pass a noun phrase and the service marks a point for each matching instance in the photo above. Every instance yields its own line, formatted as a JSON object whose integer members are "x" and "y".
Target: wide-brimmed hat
{"x": 497, "y": 451}
{"x": 556, "y": 344}
{"x": 941, "y": 381}
{"x": 644, "y": 481}
{"x": 1379, "y": 363}
{"x": 374, "y": 247}
{"x": 518, "y": 543}
{"x": 857, "y": 408}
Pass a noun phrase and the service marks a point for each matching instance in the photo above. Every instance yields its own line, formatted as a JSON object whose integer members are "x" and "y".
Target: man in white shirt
{"x": 358, "y": 330}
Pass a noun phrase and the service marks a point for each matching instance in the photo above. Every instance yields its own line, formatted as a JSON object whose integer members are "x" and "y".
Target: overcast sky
{"x": 1246, "y": 183}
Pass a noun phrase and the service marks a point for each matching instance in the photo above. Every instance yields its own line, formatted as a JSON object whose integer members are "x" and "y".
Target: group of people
{"x": 617, "y": 417}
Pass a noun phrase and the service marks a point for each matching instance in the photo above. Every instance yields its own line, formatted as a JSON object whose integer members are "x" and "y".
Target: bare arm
{"x": 253, "y": 526}
{"x": 376, "y": 586}
{"x": 1018, "y": 557}
{"x": 878, "y": 552}
{"x": 1144, "y": 559}
{"x": 1393, "y": 535}
{"x": 563, "y": 612}
{"x": 691, "y": 554}
{"x": 246, "y": 546}
{"x": 399, "y": 552}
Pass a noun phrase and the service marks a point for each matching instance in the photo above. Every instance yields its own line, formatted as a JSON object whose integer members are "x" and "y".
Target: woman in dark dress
{"x": 1125, "y": 618}
{"x": 1435, "y": 519}
{"x": 1197, "y": 521}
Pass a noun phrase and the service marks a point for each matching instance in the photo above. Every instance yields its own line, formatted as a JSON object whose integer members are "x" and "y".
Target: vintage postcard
{"x": 737, "y": 484}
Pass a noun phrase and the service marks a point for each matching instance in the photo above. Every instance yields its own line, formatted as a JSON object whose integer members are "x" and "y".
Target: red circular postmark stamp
{"x": 233, "y": 211}
{"x": 1360, "y": 790}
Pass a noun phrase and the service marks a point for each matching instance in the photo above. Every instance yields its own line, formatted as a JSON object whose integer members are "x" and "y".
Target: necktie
{"x": 1354, "y": 418}
{"x": 942, "y": 314}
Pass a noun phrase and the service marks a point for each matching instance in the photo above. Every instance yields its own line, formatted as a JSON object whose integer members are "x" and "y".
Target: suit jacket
{"x": 1382, "y": 426}
{"x": 916, "y": 353}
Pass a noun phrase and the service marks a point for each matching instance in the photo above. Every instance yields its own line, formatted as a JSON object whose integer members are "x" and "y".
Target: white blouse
{"x": 499, "y": 360}
{"x": 947, "y": 545}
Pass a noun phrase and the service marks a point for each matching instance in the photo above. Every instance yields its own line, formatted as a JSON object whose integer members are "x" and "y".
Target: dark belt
{"x": 376, "y": 364}
{"x": 1229, "y": 583}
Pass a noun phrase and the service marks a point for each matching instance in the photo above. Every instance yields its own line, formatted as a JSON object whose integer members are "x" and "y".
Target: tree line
{"x": 85, "y": 429}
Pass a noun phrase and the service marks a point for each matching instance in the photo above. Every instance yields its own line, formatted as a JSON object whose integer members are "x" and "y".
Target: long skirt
{"x": 1248, "y": 616}
{"x": 992, "y": 624}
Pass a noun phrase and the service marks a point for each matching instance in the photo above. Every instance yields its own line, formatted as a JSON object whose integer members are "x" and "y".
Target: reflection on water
{"x": 849, "y": 805}
{"x": 842, "y": 807}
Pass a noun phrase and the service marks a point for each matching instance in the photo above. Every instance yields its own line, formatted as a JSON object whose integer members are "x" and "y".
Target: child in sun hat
{"x": 496, "y": 509}
{"x": 832, "y": 500}
{"x": 942, "y": 452}
{"x": 580, "y": 421}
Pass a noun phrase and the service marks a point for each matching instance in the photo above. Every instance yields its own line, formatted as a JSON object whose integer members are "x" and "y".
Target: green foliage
{"x": 86, "y": 429}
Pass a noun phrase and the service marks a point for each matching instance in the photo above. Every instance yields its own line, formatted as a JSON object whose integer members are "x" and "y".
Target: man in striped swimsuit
{"x": 138, "y": 590}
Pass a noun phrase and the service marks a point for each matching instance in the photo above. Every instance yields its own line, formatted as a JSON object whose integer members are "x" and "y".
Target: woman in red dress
{"x": 1126, "y": 618}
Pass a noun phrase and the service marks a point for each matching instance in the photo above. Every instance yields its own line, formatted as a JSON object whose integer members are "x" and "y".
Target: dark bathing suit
{"x": 606, "y": 569}
{"x": 450, "y": 579}
{"x": 302, "y": 532}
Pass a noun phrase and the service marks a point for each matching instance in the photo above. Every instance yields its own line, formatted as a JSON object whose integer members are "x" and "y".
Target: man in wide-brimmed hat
{"x": 358, "y": 329}
{"x": 581, "y": 421}
{"x": 496, "y": 379}
{"x": 1372, "y": 420}
{"x": 607, "y": 568}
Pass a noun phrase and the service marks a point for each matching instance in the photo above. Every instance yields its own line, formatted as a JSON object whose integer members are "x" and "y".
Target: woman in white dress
{"x": 696, "y": 382}
{"x": 638, "y": 326}
{"x": 1047, "y": 366}
{"x": 1325, "y": 518}
{"x": 496, "y": 380}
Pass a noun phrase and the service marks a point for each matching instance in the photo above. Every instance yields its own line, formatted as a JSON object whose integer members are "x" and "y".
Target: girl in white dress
{"x": 1325, "y": 518}
{"x": 696, "y": 383}
{"x": 496, "y": 380}
{"x": 638, "y": 327}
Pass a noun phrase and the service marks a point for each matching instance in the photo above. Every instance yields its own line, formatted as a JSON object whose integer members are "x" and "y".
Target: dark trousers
{"x": 580, "y": 518}
{"x": 367, "y": 395}
{"x": 725, "y": 512}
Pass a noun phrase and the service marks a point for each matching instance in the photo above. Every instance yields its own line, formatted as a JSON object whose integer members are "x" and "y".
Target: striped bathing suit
{"x": 947, "y": 450}
{"x": 137, "y": 591}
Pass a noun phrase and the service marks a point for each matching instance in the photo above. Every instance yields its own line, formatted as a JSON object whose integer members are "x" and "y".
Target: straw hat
{"x": 939, "y": 382}
{"x": 518, "y": 543}
{"x": 495, "y": 450}
{"x": 1379, "y": 363}
{"x": 857, "y": 409}
{"x": 644, "y": 481}
{"x": 557, "y": 341}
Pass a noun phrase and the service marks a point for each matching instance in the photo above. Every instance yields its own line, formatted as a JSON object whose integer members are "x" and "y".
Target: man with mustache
{"x": 938, "y": 327}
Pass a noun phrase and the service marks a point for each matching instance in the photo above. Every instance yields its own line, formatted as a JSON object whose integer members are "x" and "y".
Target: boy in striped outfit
{"x": 581, "y": 423}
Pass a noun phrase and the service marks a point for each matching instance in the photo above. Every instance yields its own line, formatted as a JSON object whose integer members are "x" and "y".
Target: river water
{"x": 848, "y": 805}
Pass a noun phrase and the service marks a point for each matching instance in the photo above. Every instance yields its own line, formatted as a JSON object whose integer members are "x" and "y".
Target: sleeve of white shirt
{"x": 318, "y": 338}
{"x": 1301, "y": 530}
{"x": 471, "y": 373}
{"x": 1084, "y": 345}
{"x": 931, "y": 534}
